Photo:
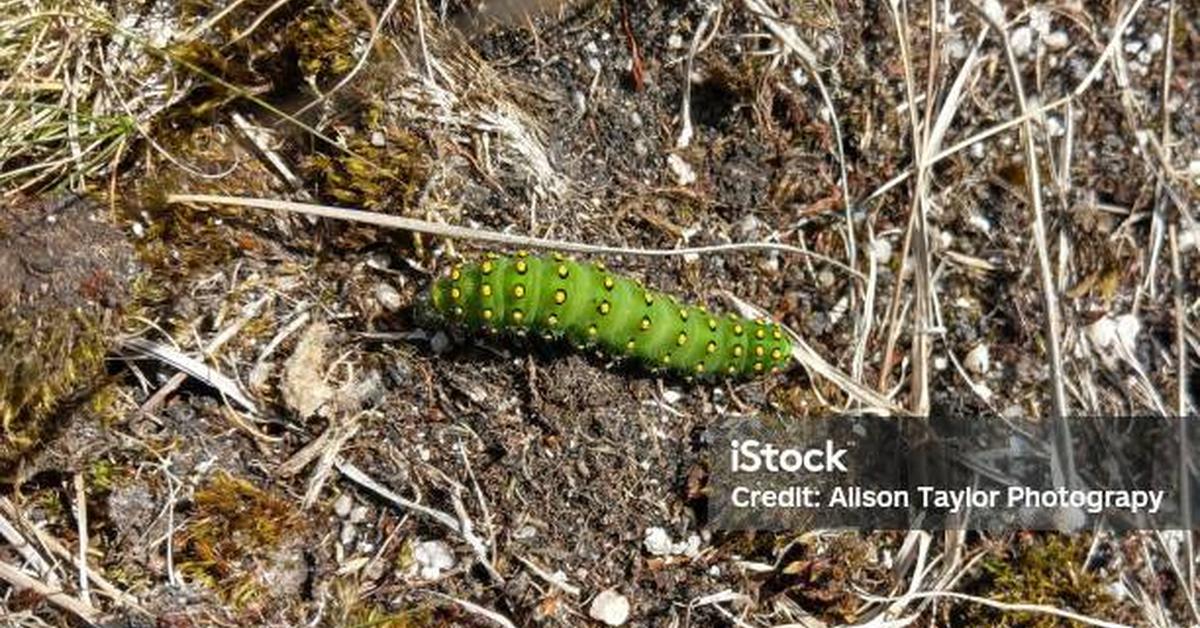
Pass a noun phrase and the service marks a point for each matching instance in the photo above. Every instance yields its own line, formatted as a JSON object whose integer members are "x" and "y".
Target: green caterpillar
{"x": 589, "y": 306}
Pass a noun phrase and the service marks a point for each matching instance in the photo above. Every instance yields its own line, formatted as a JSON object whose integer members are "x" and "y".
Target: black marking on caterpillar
{"x": 592, "y": 307}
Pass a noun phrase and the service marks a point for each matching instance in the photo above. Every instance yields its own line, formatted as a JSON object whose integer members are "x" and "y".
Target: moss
{"x": 1040, "y": 570}
{"x": 371, "y": 176}
{"x": 234, "y": 529}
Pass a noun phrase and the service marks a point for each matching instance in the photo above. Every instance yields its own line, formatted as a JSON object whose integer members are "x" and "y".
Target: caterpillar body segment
{"x": 593, "y": 307}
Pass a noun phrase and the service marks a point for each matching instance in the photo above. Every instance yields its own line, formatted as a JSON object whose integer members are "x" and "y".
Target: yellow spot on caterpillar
{"x": 487, "y": 314}
{"x": 711, "y": 347}
{"x": 776, "y": 334}
{"x": 758, "y": 367}
{"x": 737, "y": 351}
{"x": 487, "y": 267}
{"x": 518, "y": 291}
{"x": 563, "y": 271}
{"x": 600, "y": 266}
{"x": 649, "y": 299}
{"x": 683, "y": 314}
{"x": 712, "y": 324}
{"x": 759, "y": 351}
{"x": 591, "y": 330}
{"x": 731, "y": 370}
{"x": 455, "y": 293}
{"x": 458, "y": 311}
{"x": 645, "y": 323}
{"x": 518, "y": 316}
{"x": 456, "y": 273}
{"x": 760, "y": 333}
{"x": 552, "y": 320}
{"x": 603, "y": 308}
{"x": 522, "y": 253}
{"x": 558, "y": 257}
{"x": 681, "y": 340}
{"x": 609, "y": 283}
{"x": 776, "y": 354}
{"x": 699, "y": 367}
{"x": 737, "y": 329}
{"x": 560, "y": 296}
{"x": 485, "y": 290}
{"x": 702, "y": 308}
{"x": 630, "y": 346}
{"x": 522, "y": 267}
{"x": 666, "y": 359}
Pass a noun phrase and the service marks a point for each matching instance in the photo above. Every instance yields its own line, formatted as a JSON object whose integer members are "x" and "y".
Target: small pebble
{"x": 609, "y": 607}
{"x": 683, "y": 172}
{"x": 387, "y": 297}
{"x": 359, "y": 514}
{"x": 1057, "y": 40}
{"x": 1022, "y": 40}
{"x": 378, "y": 139}
{"x": 349, "y": 532}
{"x": 979, "y": 360}
{"x": 342, "y": 506}
{"x": 1154, "y": 43}
{"x": 675, "y": 41}
{"x": 433, "y": 557}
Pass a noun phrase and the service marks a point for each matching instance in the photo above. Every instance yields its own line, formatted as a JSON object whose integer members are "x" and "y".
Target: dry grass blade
{"x": 195, "y": 368}
{"x": 19, "y": 580}
{"x": 497, "y": 237}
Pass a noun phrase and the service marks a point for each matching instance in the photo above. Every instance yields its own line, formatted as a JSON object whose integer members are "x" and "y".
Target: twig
{"x": 483, "y": 235}
{"x": 458, "y": 526}
{"x": 1064, "y": 461}
{"x": 81, "y": 528}
{"x": 1004, "y": 606}
{"x": 18, "y": 579}
{"x": 192, "y": 367}
{"x": 486, "y": 613}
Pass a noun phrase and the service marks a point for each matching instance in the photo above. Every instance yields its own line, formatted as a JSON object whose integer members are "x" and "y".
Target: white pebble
{"x": 1154, "y": 43}
{"x": 675, "y": 41}
{"x": 433, "y": 557}
{"x": 978, "y": 360}
{"x": 994, "y": 10}
{"x": 657, "y": 541}
{"x": 348, "y": 534}
{"x": 359, "y": 514}
{"x": 684, "y": 174}
{"x": 881, "y": 250}
{"x": 1022, "y": 40}
{"x": 610, "y": 608}
{"x": 387, "y": 297}
{"x": 1133, "y": 47}
{"x": 439, "y": 343}
{"x": 378, "y": 140}
{"x": 342, "y": 506}
{"x": 1058, "y": 40}
{"x": 940, "y": 363}
{"x": 1054, "y": 126}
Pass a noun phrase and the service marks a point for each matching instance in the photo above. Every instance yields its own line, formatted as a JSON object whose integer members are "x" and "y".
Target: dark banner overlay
{"x": 936, "y": 473}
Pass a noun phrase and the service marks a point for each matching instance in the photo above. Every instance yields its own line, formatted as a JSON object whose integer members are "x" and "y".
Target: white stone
{"x": 675, "y": 41}
{"x": 1022, "y": 40}
{"x": 439, "y": 343}
{"x": 387, "y": 296}
{"x": 378, "y": 139}
{"x": 433, "y": 557}
{"x": 994, "y": 10}
{"x": 610, "y": 608}
{"x": 359, "y": 514}
{"x": 682, "y": 170}
{"x": 1154, "y": 43}
{"x": 1054, "y": 126}
{"x": 1057, "y": 40}
{"x": 657, "y": 541}
{"x": 342, "y": 506}
{"x": 1133, "y": 47}
{"x": 881, "y": 250}
{"x": 978, "y": 360}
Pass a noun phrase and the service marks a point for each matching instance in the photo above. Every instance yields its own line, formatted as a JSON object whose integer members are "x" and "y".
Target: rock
{"x": 978, "y": 361}
{"x": 682, "y": 170}
{"x": 609, "y": 607}
{"x": 1057, "y": 40}
{"x": 342, "y": 506}
{"x": 433, "y": 557}
{"x": 387, "y": 296}
{"x": 1022, "y": 40}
